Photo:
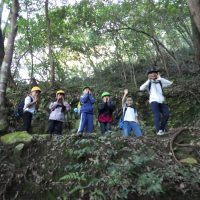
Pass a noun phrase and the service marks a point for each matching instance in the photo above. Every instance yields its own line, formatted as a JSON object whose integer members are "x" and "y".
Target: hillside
{"x": 110, "y": 166}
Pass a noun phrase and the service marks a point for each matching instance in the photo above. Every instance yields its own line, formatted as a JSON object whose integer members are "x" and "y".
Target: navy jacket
{"x": 86, "y": 103}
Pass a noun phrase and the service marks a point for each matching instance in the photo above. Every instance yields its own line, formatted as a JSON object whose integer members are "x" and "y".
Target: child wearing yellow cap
{"x": 57, "y": 115}
{"x": 29, "y": 109}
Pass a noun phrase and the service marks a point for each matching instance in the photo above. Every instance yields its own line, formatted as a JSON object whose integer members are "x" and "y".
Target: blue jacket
{"x": 86, "y": 103}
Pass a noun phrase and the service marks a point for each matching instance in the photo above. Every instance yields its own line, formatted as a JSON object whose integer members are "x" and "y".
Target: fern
{"x": 73, "y": 176}
{"x": 97, "y": 194}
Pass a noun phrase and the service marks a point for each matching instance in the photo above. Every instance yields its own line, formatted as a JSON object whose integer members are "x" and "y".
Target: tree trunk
{"x": 29, "y": 38}
{"x": 194, "y": 6}
{"x": 7, "y": 63}
{"x": 51, "y": 62}
{"x": 2, "y": 53}
{"x": 1, "y": 9}
{"x": 196, "y": 42}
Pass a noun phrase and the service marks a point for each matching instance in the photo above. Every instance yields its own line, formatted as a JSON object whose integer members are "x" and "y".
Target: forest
{"x": 67, "y": 46}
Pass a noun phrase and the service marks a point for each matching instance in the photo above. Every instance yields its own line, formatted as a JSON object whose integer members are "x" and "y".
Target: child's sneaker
{"x": 79, "y": 134}
{"x": 160, "y": 132}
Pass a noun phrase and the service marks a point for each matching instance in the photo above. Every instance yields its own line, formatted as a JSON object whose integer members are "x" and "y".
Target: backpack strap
{"x": 149, "y": 86}
{"x": 124, "y": 112}
{"x": 31, "y": 98}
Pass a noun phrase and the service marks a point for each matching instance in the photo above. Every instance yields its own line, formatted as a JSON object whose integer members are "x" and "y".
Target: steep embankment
{"x": 97, "y": 167}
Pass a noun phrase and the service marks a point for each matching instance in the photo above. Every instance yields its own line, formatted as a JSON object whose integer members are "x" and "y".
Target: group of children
{"x": 154, "y": 85}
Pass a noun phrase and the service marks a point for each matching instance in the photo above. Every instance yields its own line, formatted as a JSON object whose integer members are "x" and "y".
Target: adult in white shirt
{"x": 30, "y": 107}
{"x": 155, "y": 85}
{"x": 130, "y": 121}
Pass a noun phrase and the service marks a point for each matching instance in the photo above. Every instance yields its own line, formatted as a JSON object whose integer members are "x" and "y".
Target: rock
{"x": 189, "y": 160}
{"x": 16, "y": 137}
{"x": 19, "y": 147}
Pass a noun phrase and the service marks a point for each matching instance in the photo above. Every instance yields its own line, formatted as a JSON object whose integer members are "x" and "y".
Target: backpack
{"x": 149, "y": 86}
{"x": 19, "y": 109}
{"x": 121, "y": 120}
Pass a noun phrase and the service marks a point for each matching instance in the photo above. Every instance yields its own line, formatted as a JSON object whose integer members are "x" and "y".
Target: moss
{"x": 16, "y": 137}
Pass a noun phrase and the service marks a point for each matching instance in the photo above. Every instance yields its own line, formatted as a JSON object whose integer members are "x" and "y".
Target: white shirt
{"x": 156, "y": 93}
{"x": 31, "y": 108}
{"x": 130, "y": 115}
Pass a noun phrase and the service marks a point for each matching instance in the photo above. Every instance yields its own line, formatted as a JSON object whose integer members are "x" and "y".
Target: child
{"x": 30, "y": 108}
{"x": 106, "y": 109}
{"x": 154, "y": 85}
{"x": 57, "y": 116}
{"x": 86, "y": 111}
{"x": 130, "y": 122}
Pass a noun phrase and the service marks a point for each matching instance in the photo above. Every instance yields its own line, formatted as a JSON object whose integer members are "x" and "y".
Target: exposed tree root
{"x": 177, "y": 133}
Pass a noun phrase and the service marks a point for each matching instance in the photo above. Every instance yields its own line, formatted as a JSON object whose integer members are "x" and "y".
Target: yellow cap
{"x": 60, "y": 92}
{"x": 36, "y": 88}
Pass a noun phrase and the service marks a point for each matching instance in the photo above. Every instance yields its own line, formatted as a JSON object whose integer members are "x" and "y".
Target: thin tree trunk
{"x": 29, "y": 38}
{"x": 51, "y": 62}
{"x": 119, "y": 59}
{"x": 2, "y": 52}
{"x": 131, "y": 64}
{"x": 7, "y": 63}
{"x": 161, "y": 55}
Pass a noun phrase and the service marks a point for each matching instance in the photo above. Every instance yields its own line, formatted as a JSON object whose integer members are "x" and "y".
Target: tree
{"x": 2, "y": 53}
{"x": 1, "y": 35}
{"x": 5, "y": 67}
{"x": 194, "y": 6}
{"x": 51, "y": 61}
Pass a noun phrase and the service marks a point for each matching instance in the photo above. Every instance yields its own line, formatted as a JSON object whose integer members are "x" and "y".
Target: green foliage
{"x": 73, "y": 176}
{"x": 97, "y": 167}
{"x": 151, "y": 182}
{"x": 97, "y": 34}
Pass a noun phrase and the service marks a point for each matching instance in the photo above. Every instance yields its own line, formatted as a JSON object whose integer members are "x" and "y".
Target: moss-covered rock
{"x": 16, "y": 137}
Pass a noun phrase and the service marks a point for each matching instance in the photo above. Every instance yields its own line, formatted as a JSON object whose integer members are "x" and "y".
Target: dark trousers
{"x": 27, "y": 118}
{"x": 161, "y": 115}
{"x": 105, "y": 127}
{"x": 55, "y": 127}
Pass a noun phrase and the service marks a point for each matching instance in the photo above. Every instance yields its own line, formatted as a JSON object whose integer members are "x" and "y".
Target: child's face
{"x": 129, "y": 101}
{"x": 106, "y": 99}
{"x": 36, "y": 93}
{"x": 60, "y": 96}
{"x": 152, "y": 76}
{"x": 87, "y": 90}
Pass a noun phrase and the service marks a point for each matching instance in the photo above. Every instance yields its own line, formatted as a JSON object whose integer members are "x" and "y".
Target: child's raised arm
{"x": 124, "y": 97}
